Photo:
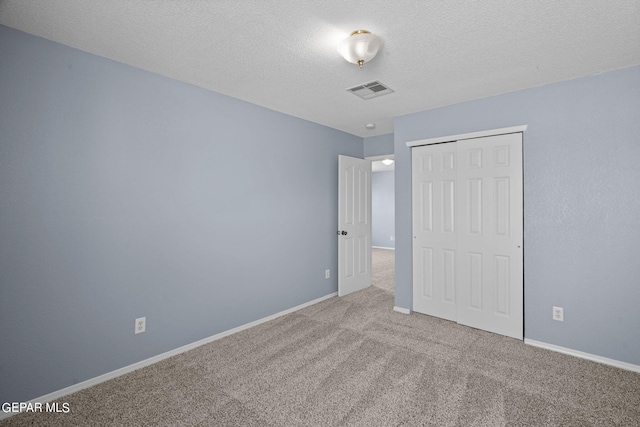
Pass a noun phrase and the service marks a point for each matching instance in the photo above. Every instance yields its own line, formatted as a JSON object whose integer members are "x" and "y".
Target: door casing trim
{"x": 479, "y": 134}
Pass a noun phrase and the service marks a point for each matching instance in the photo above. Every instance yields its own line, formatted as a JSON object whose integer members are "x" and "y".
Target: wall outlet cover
{"x": 558, "y": 314}
{"x": 141, "y": 325}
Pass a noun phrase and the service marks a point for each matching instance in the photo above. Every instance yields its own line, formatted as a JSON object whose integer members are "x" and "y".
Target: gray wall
{"x": 383, "y": 209}
{"x": 127, "y": 194}
{"x": 581, "y": 205}
{"x": 378, "y": 145}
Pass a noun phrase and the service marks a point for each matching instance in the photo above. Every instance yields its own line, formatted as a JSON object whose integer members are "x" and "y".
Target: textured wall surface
{"x": 581, "y": 205}
{"x": 383, "y": 209}
{"x": 126, "y": 194}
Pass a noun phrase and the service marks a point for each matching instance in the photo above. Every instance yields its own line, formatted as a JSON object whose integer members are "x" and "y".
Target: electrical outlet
{"x": 141, "y": 325}
{"x": 327, "y": 274}
{"x": 558, "y": 314}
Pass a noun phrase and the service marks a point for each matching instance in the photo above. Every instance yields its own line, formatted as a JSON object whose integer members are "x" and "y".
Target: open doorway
{"x": 383, "y": 268}
{"x": 383, "y": 223}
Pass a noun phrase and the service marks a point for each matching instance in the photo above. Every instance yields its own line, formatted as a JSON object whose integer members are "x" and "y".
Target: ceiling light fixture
{"x": 360, "y": 47}
{"x": 370, "y": 125}
{"x": 387, "y": 162}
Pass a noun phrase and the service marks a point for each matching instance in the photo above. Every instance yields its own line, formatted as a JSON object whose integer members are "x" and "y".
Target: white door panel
{"x": 490, "y": 234}
{"x": 434, "y": 245}
{"x": 354, "y": 224}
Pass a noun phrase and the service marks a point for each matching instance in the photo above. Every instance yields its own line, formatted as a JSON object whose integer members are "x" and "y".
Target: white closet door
{"x": 490, "y": 276}
{"x": 434, "y": 230}
{"x": 467, "y": 222}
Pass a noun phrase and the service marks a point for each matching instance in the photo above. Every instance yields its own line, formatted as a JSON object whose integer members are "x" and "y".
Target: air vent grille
{"x": 370, "y": 90}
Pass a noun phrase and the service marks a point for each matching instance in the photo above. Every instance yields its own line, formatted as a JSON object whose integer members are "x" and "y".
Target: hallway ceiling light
{"x": 387, "y": 162}
{"x": 360, "y": 47}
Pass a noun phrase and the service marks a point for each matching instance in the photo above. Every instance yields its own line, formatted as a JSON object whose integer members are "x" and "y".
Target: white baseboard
{"x": 401, "y": 310}
{"x": 383, "y": 247}
{"x": 150, "y": 361}
{"x": 583, "y": 355}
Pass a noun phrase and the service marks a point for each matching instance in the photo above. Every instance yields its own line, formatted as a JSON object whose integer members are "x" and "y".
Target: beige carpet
{"x": 383, "y": 269}
{"x": 353, "y": 361}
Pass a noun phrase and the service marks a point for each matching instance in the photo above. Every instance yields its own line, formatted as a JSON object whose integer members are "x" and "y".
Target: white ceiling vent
{"x": 370, "y": 90}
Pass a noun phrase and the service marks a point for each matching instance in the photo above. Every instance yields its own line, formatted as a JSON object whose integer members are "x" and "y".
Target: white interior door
{"x": 490, "y": 234}
{"x": 434, "y": 230}
{"x": 467, "y": 205}
{"x": 354, "y": 224}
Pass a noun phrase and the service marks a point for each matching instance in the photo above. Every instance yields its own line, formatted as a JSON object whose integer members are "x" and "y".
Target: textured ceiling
{"x": 281, "y": 54}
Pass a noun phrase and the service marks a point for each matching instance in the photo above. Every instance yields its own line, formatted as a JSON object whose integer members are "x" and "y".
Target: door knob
{"x": 344, "y": 233}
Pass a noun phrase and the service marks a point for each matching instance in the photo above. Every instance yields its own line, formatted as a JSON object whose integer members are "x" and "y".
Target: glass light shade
{"x": 360, "y": 47}
{"x": 387, "y": 162}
